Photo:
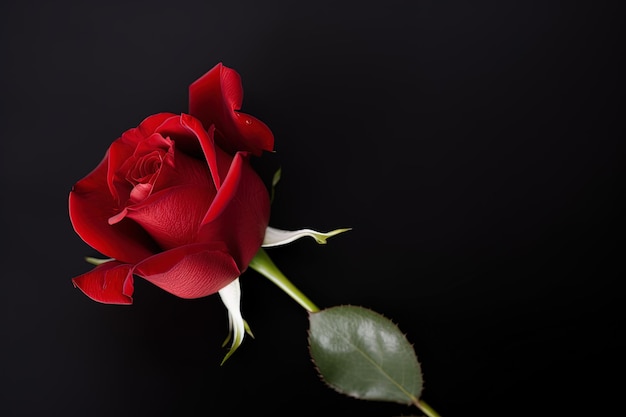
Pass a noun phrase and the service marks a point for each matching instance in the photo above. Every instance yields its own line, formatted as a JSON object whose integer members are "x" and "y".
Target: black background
{"x": 473, "y": 147}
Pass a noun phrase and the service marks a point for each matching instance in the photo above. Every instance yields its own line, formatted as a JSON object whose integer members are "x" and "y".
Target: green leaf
{"x": 362, "y": 354}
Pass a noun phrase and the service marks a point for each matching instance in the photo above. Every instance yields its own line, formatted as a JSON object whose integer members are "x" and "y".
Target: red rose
{"x": 175, "y": 200}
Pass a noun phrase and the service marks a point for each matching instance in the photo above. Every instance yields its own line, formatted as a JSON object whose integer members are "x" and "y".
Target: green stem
{"x": 266, "y": 267}
{"x": 426, "y": 409}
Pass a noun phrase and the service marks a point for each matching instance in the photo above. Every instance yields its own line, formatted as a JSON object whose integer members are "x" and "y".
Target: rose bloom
{"x": 175, "y": 200}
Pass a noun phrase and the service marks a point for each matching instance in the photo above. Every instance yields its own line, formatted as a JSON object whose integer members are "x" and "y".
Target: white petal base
{"x": 231, "y": 297}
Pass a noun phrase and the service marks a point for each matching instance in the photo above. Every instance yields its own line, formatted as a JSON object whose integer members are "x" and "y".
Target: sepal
{"x": 237, "y": 326}
{"x": 97, "y": 261}
{"x": 278, "y": 237}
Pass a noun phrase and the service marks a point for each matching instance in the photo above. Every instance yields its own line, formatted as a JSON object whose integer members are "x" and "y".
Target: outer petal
{"x": 215, "y": 98}
{"x": 109, "y": 283}
{"x": 191, "y": 271}
{"x": 228, "y": 191}
{"x": 90, "y": 207}
{"x": 240, "y": 212}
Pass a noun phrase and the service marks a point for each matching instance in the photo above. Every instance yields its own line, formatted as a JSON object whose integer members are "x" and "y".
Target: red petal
{"x": 206, "y": 139}
{"x": 226, "y": 193}
{"x": 172, "y": 217}
{"x": 240, "y": 215}
{"x": 91, "y": 206}
{"x": 150, "y": 124}
{"x": 124, "y": 147}
{"x": 216, "y": 98}
{"x": 191, "y": 271}
{"x": 190, "y": 136}
{"x": 109, "y": 283}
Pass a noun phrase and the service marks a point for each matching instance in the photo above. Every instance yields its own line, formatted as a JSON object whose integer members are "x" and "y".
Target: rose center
{"x": 145, "y": 168}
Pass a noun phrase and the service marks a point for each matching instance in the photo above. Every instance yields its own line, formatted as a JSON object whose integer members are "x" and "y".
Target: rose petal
{"x": 191, "y": 137}
{"x": 91, "y": 206}
{"x": 121, "y": 149}
{"x": 206, "y": 139}
{"x": 227, "y": 191}
{"x": 109, "y": 283}
{"x": 191, "y": 271}
{"x": 183, "y": 169}
{"x": 240, "y": 212}
{"x": 173, "y": 216}
{"x": 216, "y": 98}
{"x": 150, "y": 124}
